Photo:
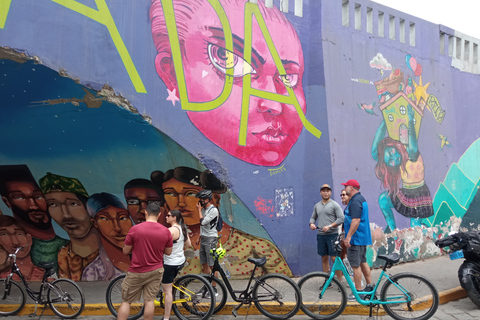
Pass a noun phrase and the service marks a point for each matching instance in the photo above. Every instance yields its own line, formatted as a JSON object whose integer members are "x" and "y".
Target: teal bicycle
{"x": 403, "y": 296}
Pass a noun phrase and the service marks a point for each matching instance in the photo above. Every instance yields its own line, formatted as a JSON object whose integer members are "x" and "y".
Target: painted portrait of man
{"x": 21, "y": 193}
{"x": 138, "y": 194}
{"x": 260, "y": 119}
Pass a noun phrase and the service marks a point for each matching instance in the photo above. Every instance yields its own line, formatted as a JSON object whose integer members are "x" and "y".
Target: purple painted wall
{"x": 302, "y": 108}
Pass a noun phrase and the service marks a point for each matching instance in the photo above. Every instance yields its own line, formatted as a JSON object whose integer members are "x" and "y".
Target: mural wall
{"x": 109, "y": 105}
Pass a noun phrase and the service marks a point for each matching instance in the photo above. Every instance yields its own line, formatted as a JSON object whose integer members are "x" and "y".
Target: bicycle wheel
{"x": 221, "y": 293}
{"x": 422, "y": 292}
{"x": 114, "y": 299}
{"x": 276, "y": 296}
{"x": 328, "y": 306}
{"x": 65, "y": 298}
{"x": 14, "y": 301}
{"x": 193, "y": 298}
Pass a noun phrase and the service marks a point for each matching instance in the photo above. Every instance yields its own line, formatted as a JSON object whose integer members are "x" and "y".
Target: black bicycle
{"x": 63, "y": 295}
{"x": 275, "y": 295}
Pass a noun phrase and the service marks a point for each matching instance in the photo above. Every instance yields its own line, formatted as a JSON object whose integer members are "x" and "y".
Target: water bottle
{"x": 225, "y": 269}
{"x": 348, "y": 267}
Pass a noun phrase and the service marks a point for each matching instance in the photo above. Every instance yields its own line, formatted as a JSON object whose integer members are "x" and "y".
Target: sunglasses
{"x": 169, "y": 215}
{"x": 343, "y": 195}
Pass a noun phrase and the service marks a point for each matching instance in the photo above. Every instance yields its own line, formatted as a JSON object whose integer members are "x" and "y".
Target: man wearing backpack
{"x": 208, "y": 215}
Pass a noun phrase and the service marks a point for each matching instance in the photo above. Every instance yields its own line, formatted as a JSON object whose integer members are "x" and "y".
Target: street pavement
{"x": 441, "y": 271}
{"x": 462, "y": 309}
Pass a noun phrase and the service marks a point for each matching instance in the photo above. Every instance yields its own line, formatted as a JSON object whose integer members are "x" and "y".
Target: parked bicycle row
{"x": 157, "y": 256}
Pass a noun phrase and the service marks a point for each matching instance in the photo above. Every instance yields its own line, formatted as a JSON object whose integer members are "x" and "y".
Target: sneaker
{"x": 330, "y": 286}
{"x": 202, "y": 291}
{"x": 351, "y": 297}
{"x": 369, "y": 287}
{"x": 207, "y": 294}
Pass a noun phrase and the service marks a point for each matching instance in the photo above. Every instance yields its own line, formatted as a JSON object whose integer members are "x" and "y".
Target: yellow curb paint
{"x": 353, "y": 308}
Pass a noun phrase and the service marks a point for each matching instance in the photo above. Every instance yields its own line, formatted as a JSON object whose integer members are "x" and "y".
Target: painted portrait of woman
{"x": 180, "y": 185}
{"x": 260, "y": 129}
{"x": 112, "y": 219}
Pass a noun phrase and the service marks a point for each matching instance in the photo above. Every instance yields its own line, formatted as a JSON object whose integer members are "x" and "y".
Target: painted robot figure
{"x": 399, "y": 162}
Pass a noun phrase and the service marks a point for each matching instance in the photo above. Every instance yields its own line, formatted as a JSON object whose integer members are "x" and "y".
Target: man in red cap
{"x": 358, "y": 236}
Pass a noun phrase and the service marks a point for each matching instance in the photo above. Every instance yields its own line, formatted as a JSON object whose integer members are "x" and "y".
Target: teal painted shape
{"x": 470, "y": 161}
{"x": 459, "y": 184}
{"x": 459, "y": 188}
{"x": 445, "y": 205}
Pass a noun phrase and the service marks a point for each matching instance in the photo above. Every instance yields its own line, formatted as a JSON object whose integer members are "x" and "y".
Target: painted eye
{"x": 289, "y": 80}
{"x": 223, "y": 59}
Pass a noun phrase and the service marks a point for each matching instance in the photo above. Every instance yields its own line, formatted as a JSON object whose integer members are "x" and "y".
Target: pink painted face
{"x": 273, "y": 127}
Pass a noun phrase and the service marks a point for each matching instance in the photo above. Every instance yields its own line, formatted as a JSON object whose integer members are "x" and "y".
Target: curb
{"x": 353, "y": 308}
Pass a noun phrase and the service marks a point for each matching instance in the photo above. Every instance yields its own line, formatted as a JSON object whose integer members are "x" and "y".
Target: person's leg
{"x": 353, "y": 256}
{"x": 123, "y": 311}
{"x": 167, "y": 292}
{"x": 357, "y": 278}
{"x": 325, "y": 264}
{"x": 364, "y": 265}
{"x": 149, "y": 310}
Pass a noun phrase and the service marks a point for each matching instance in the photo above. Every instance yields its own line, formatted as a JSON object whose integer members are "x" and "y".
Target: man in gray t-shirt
{"x": 330, "y": 216}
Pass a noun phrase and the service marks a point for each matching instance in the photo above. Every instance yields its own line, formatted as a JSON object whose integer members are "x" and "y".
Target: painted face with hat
{"x": 351, "y": 187}
{"x": 326, "y": 192}
{"x": 66, "y": 198}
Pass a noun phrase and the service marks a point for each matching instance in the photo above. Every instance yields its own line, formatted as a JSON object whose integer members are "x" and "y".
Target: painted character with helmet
{"x": 208, "y": 215}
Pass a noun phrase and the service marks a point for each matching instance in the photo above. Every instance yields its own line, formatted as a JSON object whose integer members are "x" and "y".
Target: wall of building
{"x": 108, "y": 99}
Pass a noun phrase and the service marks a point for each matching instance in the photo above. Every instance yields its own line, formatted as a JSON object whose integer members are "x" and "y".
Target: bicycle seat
{"x": 390, "y": 258}
{"x": 49, "y": 268}
{"x": 258, "y": 262}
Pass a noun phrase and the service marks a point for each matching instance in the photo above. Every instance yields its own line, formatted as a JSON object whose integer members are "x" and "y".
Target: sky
{"x": 461, "y": 15}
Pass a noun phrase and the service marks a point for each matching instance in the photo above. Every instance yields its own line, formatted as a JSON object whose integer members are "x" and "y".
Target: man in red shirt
{"x": 147, "y": 242}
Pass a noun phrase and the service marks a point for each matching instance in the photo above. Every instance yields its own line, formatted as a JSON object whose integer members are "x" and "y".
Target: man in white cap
{"x": 330, "y": 217}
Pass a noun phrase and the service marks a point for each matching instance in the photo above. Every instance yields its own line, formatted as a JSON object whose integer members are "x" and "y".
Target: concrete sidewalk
{"x": 441, "y": 271}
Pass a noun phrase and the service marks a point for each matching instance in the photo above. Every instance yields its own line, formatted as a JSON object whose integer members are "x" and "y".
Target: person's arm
{"x": 199, "y": 210}
{"x": 353, "y": 228}
{"x": 313, "y": 218}
{"x": 188, "y": 243}
{"x": 210, "y": 213}
{"x": 126, "y": 249}
{"x": 340, "y": 216}
{"x": 379, "y": 135}
{"x": 167, "y": 251}
{"x": 412, "y": 146}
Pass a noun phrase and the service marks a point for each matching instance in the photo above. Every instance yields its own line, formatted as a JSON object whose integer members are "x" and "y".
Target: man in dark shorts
{"x": 147, "y": 242}
{"x": 330, "y": 217}
{"x": 358, "y": 236}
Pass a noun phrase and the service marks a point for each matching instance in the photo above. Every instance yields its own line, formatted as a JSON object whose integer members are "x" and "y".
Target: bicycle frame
{"x": 189, "y": 298}
{"x": 339, "y": 266}
{"x": 245, "y": 296}
{"x": 36, "y": 296}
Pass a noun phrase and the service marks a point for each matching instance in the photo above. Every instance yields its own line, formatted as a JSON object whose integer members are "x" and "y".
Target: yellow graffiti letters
{"x": 434, "y": 105}
{"x": 4, "y": 8}
{"x": 277, "y": 170}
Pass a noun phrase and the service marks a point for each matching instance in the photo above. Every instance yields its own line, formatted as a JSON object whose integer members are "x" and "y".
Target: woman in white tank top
{"x": 174, "y": 262}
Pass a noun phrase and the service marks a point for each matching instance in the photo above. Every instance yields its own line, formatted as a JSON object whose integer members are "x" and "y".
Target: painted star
{"x": 172, "y": 96}
{"x": 421, "y": 91}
